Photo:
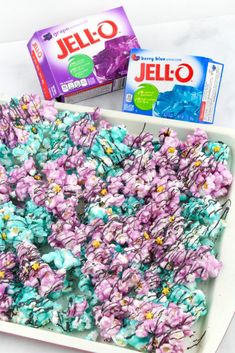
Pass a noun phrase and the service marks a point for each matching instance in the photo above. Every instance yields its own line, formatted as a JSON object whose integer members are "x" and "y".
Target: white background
{"x": 191, "y": 26}
{"x": 19, "y": 18}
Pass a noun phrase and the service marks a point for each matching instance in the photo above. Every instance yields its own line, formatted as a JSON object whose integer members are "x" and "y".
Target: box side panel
{"x": 211, "y": 91}
{"x": 87, "y": 93}
{"x": 42, "y": 67}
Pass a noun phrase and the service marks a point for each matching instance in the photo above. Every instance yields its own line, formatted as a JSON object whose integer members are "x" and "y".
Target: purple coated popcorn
{"x": 5, "y": 301}
{"x": 7, "y": 264}
{"x": 36, "y": 273}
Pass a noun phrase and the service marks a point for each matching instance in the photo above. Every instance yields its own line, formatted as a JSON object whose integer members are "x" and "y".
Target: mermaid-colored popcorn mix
{"x": 105, "y": 232}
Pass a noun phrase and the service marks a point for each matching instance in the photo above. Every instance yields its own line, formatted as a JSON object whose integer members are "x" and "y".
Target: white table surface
{"x": 202, "y": 27}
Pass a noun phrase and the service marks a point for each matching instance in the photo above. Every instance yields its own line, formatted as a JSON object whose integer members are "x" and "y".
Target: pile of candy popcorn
{"x": 122, "y": 227}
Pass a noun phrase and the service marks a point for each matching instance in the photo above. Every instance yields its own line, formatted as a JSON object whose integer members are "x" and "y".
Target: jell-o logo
{"x": 106, "y": 30}
{"x": 159, "y": 72}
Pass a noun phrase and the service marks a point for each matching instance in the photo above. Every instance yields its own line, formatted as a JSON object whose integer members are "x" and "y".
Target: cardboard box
{"x": 182, "y": 88}
{"x": 84, "y": 58}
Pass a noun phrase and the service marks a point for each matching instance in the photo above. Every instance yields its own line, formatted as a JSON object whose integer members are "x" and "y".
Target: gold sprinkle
{"x": 96, "y": 244}
{"x": 190, "y": 298}
{"x": 205, "y": 186}
{"x": 108, "y": 150}
{"x": 6, "y": 217}
{"x": 4, "y": 236}
{"x": 197, "y": 163}
{"x": 155, "y": 341}
{"x": 216, "y": 149}
{"x": 146, "y": 236}
{"x": 103, "y": 192}
{"x": 171, "y": 219}
{"x": 161, "y": 188}
{"x": 36, "y": 266}
{"x": 166, "y": 291}
{"x": 159, "y": 241}
{"x": 57, "y": 188}
{"x": 34, "y": 130}
{"x": 92, "y": 128}
{"x": 24, "y": 107}
{"x": 15, "y": 230}
{"x": 148, "y": 315}
{"x": 2, "y": 274}
{"x": 58, "y": 121}
{"x": 169, "y": 266}
{"x": 171, "y": 149}
{"x": 20, "y": 127}
{"x": 123, "y": 302}
{"x": 109, "y": 211}
{"x": 37, "y": 177}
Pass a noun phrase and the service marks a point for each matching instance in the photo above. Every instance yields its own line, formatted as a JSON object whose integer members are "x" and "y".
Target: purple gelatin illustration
{"x": 112, "y": 62}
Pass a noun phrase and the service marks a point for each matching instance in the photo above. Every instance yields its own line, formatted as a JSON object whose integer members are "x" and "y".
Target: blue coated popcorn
{"x": 109, "y": 148}
{"x": 62, "y": 258}
{"x": 190, "y": 300}
{"x": 32, "y": 309}
{"x": 198, "y": 234}
{"x": 6, "y": 157}
{"x": 127, "y": 336}
{"x": 205, "y": 210}
{"x": 39, "y": 221}
{"x": 66, "y": 118}
{"x": 219, "y": 150}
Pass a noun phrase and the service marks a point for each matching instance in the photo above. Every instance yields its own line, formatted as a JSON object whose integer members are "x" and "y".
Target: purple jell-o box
{"x": 84, "y": 58}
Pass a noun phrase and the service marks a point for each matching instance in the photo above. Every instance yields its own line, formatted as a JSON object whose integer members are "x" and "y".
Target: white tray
{"x": 220, "y": 292}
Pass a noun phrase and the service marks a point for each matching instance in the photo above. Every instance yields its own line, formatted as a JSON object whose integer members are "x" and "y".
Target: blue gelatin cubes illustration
{"x": 182, "y": 101}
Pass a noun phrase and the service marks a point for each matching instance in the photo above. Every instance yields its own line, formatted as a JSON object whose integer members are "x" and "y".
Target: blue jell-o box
{"x": 183, "y": 88}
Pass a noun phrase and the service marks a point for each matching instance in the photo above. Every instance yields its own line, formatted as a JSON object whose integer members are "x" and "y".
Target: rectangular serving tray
{"x": 220, "y": 292}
